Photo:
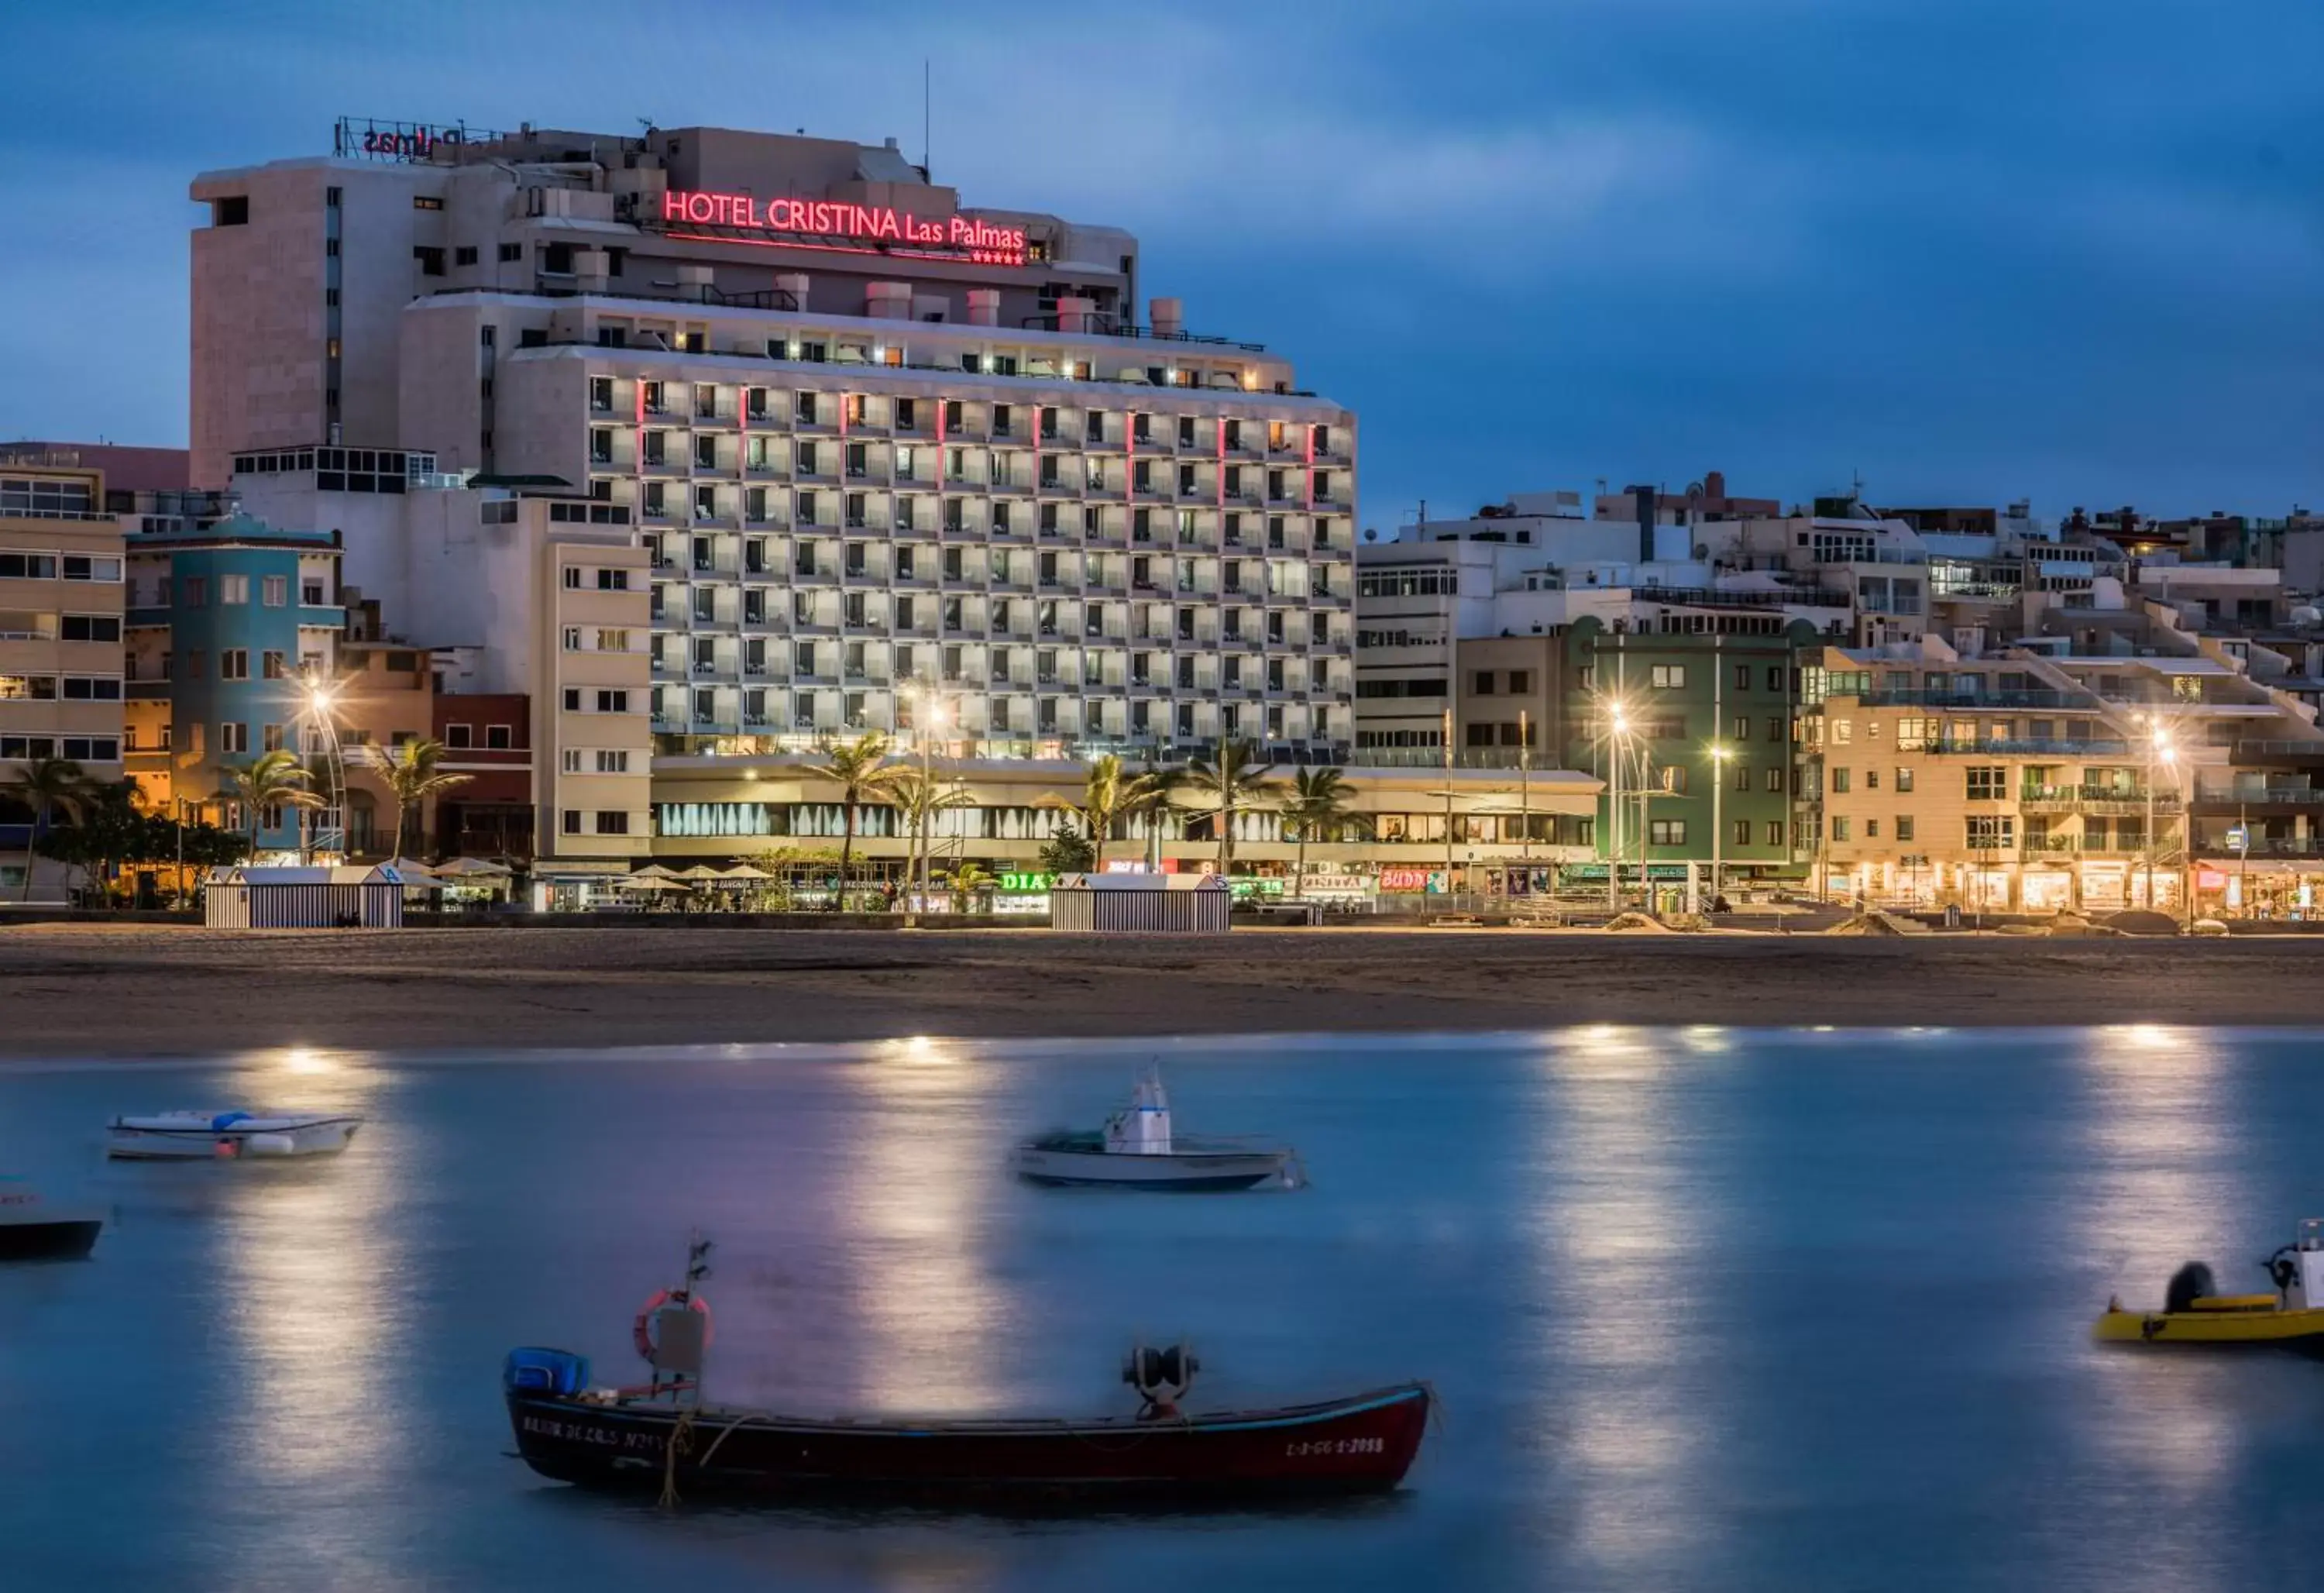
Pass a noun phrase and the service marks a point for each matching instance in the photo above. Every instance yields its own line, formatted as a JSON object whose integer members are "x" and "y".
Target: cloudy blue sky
{"x": 1970, "y": 249}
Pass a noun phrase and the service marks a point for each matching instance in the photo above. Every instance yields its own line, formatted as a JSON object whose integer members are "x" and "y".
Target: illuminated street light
{"x": 1719, "y": 752}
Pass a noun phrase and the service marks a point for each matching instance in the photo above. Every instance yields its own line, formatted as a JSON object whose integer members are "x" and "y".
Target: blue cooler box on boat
{"x": 545, "y": 1371}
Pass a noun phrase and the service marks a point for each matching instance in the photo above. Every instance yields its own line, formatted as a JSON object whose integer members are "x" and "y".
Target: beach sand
{"x": 75, "y": 990}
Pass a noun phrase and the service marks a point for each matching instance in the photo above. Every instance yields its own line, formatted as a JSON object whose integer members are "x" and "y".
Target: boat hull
{"x": 2255, "y": 1328}
{"x": 51, "y": 1238}
{"x": 1182, "y": 1172}
{"x": 1357, "y": 1446}
{"x": 131, "y": 1139}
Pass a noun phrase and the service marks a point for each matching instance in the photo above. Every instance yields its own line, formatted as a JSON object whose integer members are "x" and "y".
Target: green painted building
{"x": 1703, "y": 724}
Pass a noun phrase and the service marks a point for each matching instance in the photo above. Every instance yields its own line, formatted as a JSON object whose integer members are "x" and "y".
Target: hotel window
{"x": 464, "y": 254}
{"x": 1904, "y": 827}
{"x": 426, "y": 202}
{"x": 572, "y": 638}
{"x": 612, "y": 702}
{"x": 458, "y": 735}
{"x": 1872, "y": 779}
{"x": 271, "y": 738}
{"x": 1743, "y": 827}
{"x": 1742, "y": 731}
{"x": 196, "y": 590}
{"x": 1872, "y": 829}
{"x": 274, "y": 590}
{"x": 498, "y": 737}
{"x": 233, "y": 737}
{"x": 234, "y": 590}
{"x": 1903, "y": 781}
{"x": 572, "y": 823}
{"x": 511, "y": 253}
{"x": 1484, "y": 685}
{"x": 88, "y": 627}
{"x": 612, "y": 761}
{"x": 1841, "y": 829}
{"x": 1989, "y": 832}
{"x": 1843, "y": 732}
{"x": 431, "y": 261}
{"x": 1743, "y": 776}
{"x": 233, "y": 664}
{"x": 613, "y": 641}
{"x": 1775, "y": 832}
{"x": 311, "y": 593}
{"x": 1839, "y": 781}
{"x": 1986, "y": 783}
{"x": 273, "y": 666}
{"x": 1775, "y": 780}
{"x": 1667, "y": 832}
{"x": 1775, "y": 677}
{"x": 572, "y": 758}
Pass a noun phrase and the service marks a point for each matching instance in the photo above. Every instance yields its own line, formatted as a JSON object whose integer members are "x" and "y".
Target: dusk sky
{"x": 1973, "y": 250}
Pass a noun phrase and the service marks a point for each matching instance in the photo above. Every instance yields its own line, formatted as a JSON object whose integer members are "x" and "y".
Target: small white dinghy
{"x": 1136, "y": 1150}
{"x": 172, "y": 1137}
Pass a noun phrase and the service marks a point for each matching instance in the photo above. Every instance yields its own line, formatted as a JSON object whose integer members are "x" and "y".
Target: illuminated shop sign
{"x": 809, "y": 223}
{"x": 1026, "y": 882}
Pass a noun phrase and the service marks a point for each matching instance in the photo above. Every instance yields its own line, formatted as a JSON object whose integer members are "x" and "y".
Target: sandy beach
{"x": 73, "y": 990}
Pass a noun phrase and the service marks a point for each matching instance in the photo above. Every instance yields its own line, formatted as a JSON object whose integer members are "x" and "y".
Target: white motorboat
{"x": 172, "y": 1137}
{"x": 1136, "y": 1150}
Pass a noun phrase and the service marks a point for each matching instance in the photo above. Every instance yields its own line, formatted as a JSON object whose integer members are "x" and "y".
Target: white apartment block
{"x": 918, "y": 446}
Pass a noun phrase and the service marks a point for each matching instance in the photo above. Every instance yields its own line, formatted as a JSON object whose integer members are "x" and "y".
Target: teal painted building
{"x": 226, "y": 622}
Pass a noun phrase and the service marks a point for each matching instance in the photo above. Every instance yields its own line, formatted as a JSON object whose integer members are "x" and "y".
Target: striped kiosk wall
{"x": 238, "y": 906}
{"x": 1132, "y": 911}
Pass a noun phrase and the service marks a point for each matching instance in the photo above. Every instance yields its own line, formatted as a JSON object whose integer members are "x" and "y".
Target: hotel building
{"x": 870, "y": 442}
{"x": 60, "y": 617}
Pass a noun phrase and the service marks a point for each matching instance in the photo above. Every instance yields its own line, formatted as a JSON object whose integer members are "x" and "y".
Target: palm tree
{"x": 410, "y": 774}
{"x": 1107, "y": 797}
{"x": 274, "y": 780}
{"x": 45, "y": 786}
{"x": 1232, "y": 780}
{"x": 1319, "y": 807}
{"x": 917, "y": 800}
{"x": 968, "y": 881}
{"x": 859, "y": 768}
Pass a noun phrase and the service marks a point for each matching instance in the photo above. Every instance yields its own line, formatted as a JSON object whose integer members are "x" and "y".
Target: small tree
{"x": 972, "y": 887}
{"x": 1069, "y": 851}
{"x": 46, "y": 786}
{"x": 412, "y": 776}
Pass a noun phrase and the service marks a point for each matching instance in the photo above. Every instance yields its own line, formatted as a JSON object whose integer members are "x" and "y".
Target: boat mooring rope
{"x": 681, "y": 1441}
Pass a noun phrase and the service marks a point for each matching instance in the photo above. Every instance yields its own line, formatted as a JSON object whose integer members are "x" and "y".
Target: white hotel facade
{"x": 930, "y": 447}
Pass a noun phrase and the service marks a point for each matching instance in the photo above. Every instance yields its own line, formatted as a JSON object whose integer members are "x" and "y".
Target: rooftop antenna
{"x": 926, "y": 98}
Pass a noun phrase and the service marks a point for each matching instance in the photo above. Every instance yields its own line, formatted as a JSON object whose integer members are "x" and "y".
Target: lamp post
{"x": 1619, "y": 727}
{"x": 2158, "y": 749}
{"x": 321, "y": 698}
{"x": 1718, "y": 827}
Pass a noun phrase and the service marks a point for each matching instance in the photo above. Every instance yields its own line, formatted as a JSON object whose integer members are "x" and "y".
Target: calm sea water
{"x": 1707, "y": 1309}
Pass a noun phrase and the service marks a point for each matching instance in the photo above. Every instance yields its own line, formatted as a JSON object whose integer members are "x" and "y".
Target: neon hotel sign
{"x": 795, "y": 222}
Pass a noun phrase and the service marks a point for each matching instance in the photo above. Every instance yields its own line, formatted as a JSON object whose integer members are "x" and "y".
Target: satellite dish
{"x": 1371, "y": 533}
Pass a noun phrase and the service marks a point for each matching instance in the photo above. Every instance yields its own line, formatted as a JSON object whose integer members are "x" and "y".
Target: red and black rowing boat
{"x": 664, "y": 1437}
{"x": 1362, "y": 1444}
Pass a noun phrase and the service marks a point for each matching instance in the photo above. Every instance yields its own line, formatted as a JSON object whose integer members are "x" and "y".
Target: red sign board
{"x": 811, "y": 224}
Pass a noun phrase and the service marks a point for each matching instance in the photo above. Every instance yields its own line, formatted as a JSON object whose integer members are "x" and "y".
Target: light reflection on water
{"x": 1707, "y": 1307}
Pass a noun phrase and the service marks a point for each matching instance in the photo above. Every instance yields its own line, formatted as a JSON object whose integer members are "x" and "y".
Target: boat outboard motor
{"x": 2301, "y": 1264}
{"x": 2190, "y": 1283}
{"x": 1161, "y": 1376}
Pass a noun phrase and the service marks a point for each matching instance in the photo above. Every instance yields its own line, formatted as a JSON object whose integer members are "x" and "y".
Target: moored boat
{"x": 665, "y": 1437}
{"x": 2195, "y": 1314}
{"x": 1137, "y": 1150}
{"x": 32, "y": 1229}
{"x": 202, "y": 1136}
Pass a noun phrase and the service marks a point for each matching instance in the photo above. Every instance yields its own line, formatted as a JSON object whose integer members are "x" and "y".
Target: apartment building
{"x": 61, "y": 653}
{"x": 231, "y": 624}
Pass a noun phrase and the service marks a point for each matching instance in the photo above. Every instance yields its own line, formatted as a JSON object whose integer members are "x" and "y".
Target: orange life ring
{"x": 640, "y": 1330}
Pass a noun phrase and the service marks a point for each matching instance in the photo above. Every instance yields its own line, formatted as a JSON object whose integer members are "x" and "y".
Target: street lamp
{"x": 1719, "y": 752}
{"x": 2158, "y": 748}
{"x": 1619, "y": 729}
{"x": 321, "y": 697}
{"x": 928, "y": 716}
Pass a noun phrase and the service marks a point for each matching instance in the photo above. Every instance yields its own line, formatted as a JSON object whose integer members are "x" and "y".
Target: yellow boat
{"x": 2195, "y": 1313}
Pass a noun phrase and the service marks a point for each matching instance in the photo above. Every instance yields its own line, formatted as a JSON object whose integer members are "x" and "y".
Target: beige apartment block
{"x": 61, "y": 628}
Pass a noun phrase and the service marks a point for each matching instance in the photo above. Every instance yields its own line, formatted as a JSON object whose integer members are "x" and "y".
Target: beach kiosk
{"x": 348, "y": 896}
{"x": 1139, "y": 904}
